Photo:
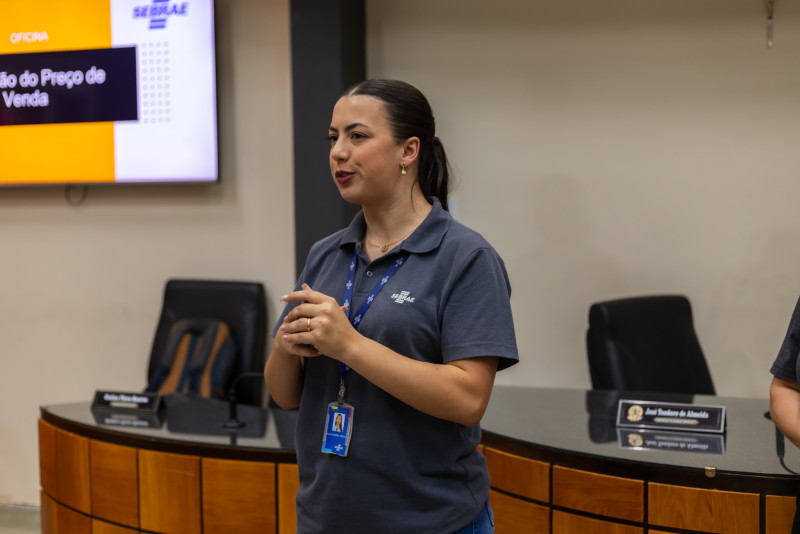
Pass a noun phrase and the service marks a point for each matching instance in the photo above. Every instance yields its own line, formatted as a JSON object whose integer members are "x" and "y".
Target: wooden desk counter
{"x": 558, "y": 465}
{"x": 100, "y": 478}
{"x": 595, "y": 478}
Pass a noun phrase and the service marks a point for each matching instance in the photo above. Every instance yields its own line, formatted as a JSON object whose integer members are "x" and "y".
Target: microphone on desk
{"x": 233, "y": 419}
{"x": 780, "y": 445}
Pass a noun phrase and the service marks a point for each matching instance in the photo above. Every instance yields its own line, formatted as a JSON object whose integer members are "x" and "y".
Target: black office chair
{"x": 646, "y": 343}
{"x": 241, "y": 305}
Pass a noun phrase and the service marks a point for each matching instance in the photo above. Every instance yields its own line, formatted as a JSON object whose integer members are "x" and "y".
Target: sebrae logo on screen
{"x": 159, "y": 11}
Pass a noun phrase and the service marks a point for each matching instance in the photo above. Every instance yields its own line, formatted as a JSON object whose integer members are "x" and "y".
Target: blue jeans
{"x": 483, "y": 524}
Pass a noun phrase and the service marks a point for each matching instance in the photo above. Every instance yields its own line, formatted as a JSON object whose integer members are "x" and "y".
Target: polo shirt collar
{"x": 425, "y": 238}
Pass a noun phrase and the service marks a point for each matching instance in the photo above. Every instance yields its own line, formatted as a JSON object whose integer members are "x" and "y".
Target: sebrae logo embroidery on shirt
{"x": 402, "y": 297}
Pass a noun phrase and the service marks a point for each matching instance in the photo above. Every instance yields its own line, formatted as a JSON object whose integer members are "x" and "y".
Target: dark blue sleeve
{"x": 785, "y": 365}
{"x": 477, "y": 319}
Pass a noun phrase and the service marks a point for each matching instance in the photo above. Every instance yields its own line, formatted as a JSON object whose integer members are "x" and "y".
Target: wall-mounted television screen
{"x": 107, "y": 91}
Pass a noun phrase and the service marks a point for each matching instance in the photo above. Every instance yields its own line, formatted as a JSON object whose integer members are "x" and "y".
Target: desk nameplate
{"x": 671, "y": 416}
{"x": 121, "y": 401}
{"x": 657, "y": 440}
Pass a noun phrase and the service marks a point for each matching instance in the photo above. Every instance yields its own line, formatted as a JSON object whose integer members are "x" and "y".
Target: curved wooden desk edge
{"x": 648, "y": 472}
{"x": 543, "y": 489}
{"x": 207, "y": 450}
{"x": 102, "y": 481}
{"x": 86, "y": 469}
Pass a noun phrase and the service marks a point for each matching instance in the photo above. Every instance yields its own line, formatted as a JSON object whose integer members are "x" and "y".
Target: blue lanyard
{"x": 355, "y": 320}
{"x": 351, "y": 276}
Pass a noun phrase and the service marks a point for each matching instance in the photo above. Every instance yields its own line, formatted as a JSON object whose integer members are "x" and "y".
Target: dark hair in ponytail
{"x": 410, "y": 115}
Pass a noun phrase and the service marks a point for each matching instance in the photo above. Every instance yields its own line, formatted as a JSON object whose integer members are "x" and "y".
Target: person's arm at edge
{"x": 784, "y": 408}
{"x": 283, "y": 375}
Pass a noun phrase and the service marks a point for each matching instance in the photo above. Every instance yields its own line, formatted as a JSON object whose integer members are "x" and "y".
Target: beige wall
{"x": 82, "y": 286}
{"x": 605, "y": 148}
{"x": 615, "y": 148}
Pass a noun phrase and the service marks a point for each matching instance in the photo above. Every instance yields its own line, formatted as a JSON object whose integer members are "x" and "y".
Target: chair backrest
{"x": 241, "y": 305}
{"x": 646, "y": 343}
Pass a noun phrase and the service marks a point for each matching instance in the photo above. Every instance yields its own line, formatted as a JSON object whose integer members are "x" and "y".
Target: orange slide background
{"x": 46, "y": 153}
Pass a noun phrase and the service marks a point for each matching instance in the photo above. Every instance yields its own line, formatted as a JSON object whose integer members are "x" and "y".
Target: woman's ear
{"x": 411, "y": 150}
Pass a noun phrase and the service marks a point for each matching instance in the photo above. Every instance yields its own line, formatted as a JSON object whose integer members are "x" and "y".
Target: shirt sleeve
{"x": 785, "y": 365}
{"x": 477, "y": 319}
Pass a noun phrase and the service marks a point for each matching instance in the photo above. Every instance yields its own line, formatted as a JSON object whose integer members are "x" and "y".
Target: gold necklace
{"x": 385, "y": 247}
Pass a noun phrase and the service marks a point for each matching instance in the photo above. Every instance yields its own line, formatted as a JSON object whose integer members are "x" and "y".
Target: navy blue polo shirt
{"x": 785, "y": 365}
{"x": 406, "y": 471}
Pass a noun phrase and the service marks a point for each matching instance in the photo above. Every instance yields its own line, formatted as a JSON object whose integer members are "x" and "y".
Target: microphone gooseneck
{"x": 233, "y": 419}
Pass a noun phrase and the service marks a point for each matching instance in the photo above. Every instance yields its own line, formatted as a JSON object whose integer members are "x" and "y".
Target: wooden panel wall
{"x": 101, "y": 527}
{"x": 780, "y": 514}
{"x": 90, "y": 485}
{"x": 288, "y": 483}
{"x": 622, "y": 498}
{"x": 564, "y": 523}
{"x": 714, "y": 511}
{"x": 94, "y": 487}
{"x": 513, "y": 516}
{"x": 48, "y": 513}
{"x": 520, "y": 476}
{"x": 47, "y": 457}
{"x": 57, "y": 519}
{"x": 238, "y": 497}
{"x": 114, "y": 480}
{"x": 72, "y": 471}
{"x": 169, "y": 492}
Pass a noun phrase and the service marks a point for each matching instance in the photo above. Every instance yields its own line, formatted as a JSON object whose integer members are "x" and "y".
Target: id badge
{"x": 338, "y": 428}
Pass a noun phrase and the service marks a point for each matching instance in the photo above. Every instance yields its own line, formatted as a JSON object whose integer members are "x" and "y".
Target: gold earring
{"x": 403, "y": 171}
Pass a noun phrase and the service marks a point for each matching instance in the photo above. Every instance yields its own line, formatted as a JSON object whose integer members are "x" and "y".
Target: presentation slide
{"x": 107, "y": 91}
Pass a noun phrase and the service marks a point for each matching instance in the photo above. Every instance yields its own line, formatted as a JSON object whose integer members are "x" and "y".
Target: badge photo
{"x": 338, "y": 428}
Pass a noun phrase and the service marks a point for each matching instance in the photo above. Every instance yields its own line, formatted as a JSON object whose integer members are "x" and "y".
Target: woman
{"x": 337, "y": 424}
{"x": 784, "y": 392}
{"x": 400, "y": 322}
{"x": 784, "y": 395}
